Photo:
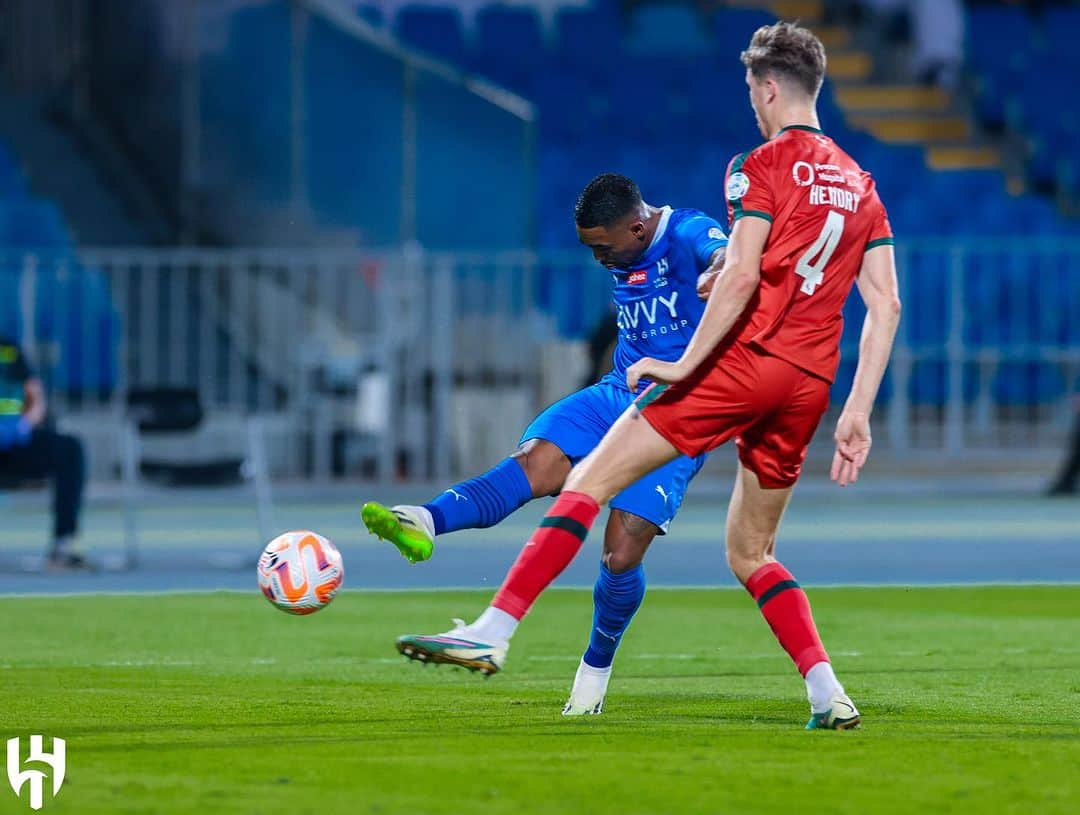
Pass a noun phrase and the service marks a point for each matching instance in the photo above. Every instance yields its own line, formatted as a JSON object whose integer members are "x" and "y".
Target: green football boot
{"x": 409, "y": 528}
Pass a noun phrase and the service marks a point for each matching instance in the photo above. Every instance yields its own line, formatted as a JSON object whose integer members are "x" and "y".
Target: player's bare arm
{"x": 707, "y": 278}
{"x": 34, "y": 398}
{"x": 736, "y": 284}
{"x": 880, "y": 292}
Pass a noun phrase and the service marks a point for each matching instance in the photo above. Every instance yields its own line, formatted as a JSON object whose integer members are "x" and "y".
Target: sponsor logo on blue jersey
{"x": 656, "y": 302}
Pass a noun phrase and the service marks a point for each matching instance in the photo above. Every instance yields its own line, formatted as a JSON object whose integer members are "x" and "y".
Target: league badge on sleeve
{"x": 716, "y": 233}
{"x": 737, "y": 186}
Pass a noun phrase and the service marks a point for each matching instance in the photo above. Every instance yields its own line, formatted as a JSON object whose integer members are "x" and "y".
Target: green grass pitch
{"x": 217, "y": 703}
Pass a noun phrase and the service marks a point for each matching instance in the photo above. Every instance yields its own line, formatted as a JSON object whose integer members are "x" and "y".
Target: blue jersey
{"x": 656, "y": 302}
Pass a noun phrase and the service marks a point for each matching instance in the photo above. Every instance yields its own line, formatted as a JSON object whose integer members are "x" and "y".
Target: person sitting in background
{"x": 1069, "y": 478}
{"x": 31, "y": 450}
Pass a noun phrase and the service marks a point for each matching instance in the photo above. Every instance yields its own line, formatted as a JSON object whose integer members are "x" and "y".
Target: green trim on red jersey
{"x": 880, "y": 242}
{"x": 752, "y": 213}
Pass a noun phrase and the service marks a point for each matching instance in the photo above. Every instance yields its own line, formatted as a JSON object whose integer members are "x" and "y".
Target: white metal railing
{"x": 425, "y": 364}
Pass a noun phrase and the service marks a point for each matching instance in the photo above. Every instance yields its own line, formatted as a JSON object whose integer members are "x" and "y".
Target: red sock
{"x": 548, "y": 552}
{"x": 785, "y": 607}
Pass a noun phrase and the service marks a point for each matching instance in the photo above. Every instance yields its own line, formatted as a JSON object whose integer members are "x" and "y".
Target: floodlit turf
{"x": 221, "y": 704}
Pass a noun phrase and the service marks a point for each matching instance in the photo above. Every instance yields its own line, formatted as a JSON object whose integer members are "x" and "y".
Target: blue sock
{"x": 482, "y": 501}
{"x": 615, "y": 599}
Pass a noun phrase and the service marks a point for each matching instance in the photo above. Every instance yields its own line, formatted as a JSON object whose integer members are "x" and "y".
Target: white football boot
{"x": 587, "y": 695}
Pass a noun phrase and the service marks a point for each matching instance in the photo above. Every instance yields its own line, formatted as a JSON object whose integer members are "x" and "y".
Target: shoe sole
{"x": 417, "y": 653}
{"x": 593, "y": 712}
{"x": 843, "y": 724}
{"x": 383, "y": 524}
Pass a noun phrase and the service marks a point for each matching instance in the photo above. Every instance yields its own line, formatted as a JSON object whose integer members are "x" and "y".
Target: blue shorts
{"x": 576, "y": 424}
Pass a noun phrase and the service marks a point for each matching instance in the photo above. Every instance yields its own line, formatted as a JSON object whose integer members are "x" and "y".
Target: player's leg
{"x": 617, "y": 595}
{"x": 629, "y": 450}
{"x": 1069, "y": 477}
{"x": 563, "y": 432}
{"x": 770, "y": 459}
{"x": 638, "y": 513}
{"x": 60, "y": 458}
{"x": 537, "y": 468}
{"x": 690, "y": 420}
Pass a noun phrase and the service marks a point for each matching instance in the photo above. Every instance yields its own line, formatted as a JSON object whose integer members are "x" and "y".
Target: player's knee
{"x": 573, "y": 480}
{"x": 626, "y": 540}
{"x": 545, "y": 466}
{"x": 744, "y": 560}
{"x": 620, "y": 560}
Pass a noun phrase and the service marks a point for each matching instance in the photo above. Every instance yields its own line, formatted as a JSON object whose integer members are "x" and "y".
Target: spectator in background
{"x": 937, "y": 32}
{"x": 1069, "y": 479}
{"x": 31, "y": 450}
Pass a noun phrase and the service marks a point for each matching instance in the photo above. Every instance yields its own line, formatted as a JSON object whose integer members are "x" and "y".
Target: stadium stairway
{"x": 898, "y": 114}
{"x": 58, "y": 170}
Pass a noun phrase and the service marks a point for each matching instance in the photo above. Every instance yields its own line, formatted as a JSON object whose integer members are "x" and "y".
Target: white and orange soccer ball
{"x": 300, "y": 572}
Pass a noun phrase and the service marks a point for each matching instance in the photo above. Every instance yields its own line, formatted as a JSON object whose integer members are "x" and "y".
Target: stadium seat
{"x": 32, "y": 223}
{"x": 589, "y": 43}
{"x": 509, "y": 47}
{"x": 1027, "y": 383}
{"x": 664, "y": 28}
{"x": 733, "y": 28}
{"x": 436, "y": 30}
{"x": 370, "y": 14}
{"x": 12, "y": 183}
{"x": 511, "y": 34}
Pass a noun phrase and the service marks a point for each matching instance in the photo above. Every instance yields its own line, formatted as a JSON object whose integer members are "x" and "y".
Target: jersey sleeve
{"x": 881, "y": 233}
{"x": 748, "y": 189}
{"x": 704, "y": 235}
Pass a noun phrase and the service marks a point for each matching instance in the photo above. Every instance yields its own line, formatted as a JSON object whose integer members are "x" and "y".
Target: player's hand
{"x": 705, "y": 283}
{"x": 667, "y": 373}
{"x": 852, "y": 447}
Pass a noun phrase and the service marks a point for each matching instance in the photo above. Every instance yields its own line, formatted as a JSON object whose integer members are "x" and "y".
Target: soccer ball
{"x": 300, "y": 572}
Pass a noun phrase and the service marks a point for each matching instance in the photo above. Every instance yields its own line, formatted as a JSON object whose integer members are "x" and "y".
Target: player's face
{"x": 616, "y": 246}
{"x": 761, "y": 94}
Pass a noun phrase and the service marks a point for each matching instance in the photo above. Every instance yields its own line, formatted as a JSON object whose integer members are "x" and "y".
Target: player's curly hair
{"x": 606, "y": 199}
{"x": 787, "y": 50}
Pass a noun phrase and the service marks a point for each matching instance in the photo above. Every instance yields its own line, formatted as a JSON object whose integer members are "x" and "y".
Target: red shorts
{"x": 769, "y": 406}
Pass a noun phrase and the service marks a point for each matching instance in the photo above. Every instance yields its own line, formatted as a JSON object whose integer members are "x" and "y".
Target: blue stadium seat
{"x": 999, "y": 49}
{"x": 509, "y": 47}
{"x": 436, "y": 30}
{"x": 512, "y": 34}
{"x": 32, "y": 223}
{"x": 256, "y": 139}
{"x": 75, "y": 311}
{"x": 12, "y": 183}
{"x": 733, "y": 28}
{"x": 998, "y": 35}
{"x": 372, "y": 15}
{"x": 664, "y": 28}
{"x": 10, "y": 317}
{"x": 588, "y": 42}
{"x": 1059, "y": 27}
{"x": 1027, "y": 383}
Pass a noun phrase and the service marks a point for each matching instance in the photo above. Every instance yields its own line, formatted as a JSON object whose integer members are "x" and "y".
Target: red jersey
{"x": 825, "y": 213}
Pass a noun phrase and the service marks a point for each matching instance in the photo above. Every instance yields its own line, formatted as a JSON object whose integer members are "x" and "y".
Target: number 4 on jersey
{"x": 811, "y": 266}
